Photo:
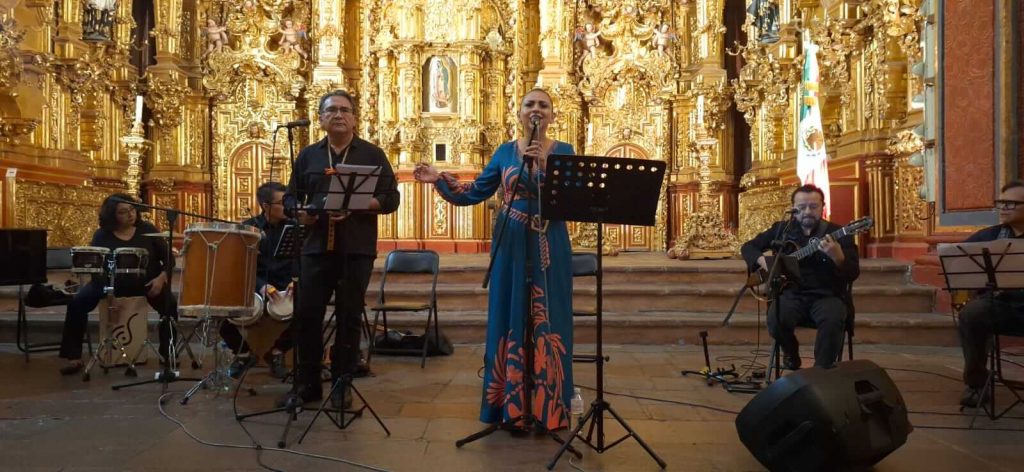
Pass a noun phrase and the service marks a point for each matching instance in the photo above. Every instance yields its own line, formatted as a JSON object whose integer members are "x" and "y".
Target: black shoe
{"x": 341, "y": 397}
{"x": 791, "y": 361}
{"x": 971, "y": 398}
{"x": 239, "y": 365}
{"x": 362, "y": 369}
{"x": 303, "y": 396}
{"x": 276, "y": 364}
{"x": 72, "y": 368}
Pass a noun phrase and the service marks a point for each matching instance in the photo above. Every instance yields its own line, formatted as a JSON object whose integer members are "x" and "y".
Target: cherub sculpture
{"x": 662, "y": 39}
{"x": 216, "y": 36}
{"x": 589, "y": 37}
{"x": 290, "y": 40}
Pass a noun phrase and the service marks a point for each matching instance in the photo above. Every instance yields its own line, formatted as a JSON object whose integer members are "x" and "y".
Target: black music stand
{"x": 23, "y": 262}
{"x": 289, "y": 247}
{"x": 602, "y": 190}
{"x": 349, "y": 191}
{"x": 990, "y": 266}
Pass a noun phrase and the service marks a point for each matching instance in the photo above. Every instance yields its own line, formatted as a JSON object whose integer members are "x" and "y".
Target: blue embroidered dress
{"x": 551, "y": 293}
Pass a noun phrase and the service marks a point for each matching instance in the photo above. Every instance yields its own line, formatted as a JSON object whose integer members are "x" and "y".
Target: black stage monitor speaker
{"x": 846, "y": 418}
{"x": 22, "y": 256}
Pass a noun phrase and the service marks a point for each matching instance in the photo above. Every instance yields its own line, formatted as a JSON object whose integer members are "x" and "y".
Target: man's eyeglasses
{"x": 336, "y": 110}
{"x": 807, "y": 206}
{"x": 1007, "y": 204}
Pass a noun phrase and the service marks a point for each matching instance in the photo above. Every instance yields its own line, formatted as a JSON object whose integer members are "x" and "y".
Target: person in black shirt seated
{"x": 824, "y": 277}
{"x": 984, "y": 316}
{"x": 120, "y": 227}
{"x": 273, "y": 275}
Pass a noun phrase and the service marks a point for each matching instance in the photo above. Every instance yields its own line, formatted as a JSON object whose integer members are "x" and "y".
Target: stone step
{"x": 655, "y": 328}
{"x": 637, "y": 298}
{"x": 649, "y": 269}
{"x": 684, "y": 297}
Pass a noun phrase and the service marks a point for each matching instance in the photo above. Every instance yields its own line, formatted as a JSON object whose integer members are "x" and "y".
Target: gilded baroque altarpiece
{"x": 439, "y": 81}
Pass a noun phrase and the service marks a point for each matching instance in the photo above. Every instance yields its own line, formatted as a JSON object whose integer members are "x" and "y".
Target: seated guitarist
{"x": 1004, "y": 314}
{"x": 824, "y": 277}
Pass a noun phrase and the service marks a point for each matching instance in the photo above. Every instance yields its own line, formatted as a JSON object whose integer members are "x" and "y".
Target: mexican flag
{"x": 811, "y": 158}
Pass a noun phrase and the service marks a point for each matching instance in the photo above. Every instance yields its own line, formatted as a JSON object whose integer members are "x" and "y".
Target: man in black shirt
{"x": 821, "y": 295}
{"x": 1003, "y": 313}
{"x": 343, "y": 266}
{"x": 273, "y": 275}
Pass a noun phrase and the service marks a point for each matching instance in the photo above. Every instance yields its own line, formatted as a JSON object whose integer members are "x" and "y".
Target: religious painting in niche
{"x": 439, "y": 90}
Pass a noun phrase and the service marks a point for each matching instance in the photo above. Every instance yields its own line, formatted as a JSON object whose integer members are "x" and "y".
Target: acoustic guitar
{"x": 758, "y": 280}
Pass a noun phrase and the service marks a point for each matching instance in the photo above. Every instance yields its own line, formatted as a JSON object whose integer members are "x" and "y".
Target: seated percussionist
{"x": 273, "y": 275}
{"x": 1003, "y": 313}
{"x": 120, "y": 227}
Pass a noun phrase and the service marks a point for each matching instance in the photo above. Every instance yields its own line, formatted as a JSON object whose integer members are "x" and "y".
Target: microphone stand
{"x": 169, "y": 373}
{"x": 775, "y": 281}
{"x": 292, "y": 408}
{"x": 527, "y": 417}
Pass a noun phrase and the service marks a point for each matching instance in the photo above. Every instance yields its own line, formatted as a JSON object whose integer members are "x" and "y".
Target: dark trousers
{"x": 979, "y": 320}
{"x": 88, "y": 296}
{"x": 347, "y": 277}
{"x": 232, "y": 336}
{"x": 827, "y": 313}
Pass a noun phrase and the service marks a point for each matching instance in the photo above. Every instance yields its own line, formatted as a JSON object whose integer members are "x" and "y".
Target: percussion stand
{"x": 170, "y": 372}
{"x": 110, "y": 341}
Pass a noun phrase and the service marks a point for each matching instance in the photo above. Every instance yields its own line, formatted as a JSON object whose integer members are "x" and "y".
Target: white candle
{"x": 590, "y": 133}
{"x": 700, "y": 109}
{"x": 138, "y": 109}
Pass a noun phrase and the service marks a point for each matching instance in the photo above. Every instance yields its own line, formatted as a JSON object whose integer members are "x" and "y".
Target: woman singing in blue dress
{"x": 546, "y": 246}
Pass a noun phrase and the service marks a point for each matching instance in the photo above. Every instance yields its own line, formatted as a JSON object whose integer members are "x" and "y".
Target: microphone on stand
{"x": 294, "y": 124}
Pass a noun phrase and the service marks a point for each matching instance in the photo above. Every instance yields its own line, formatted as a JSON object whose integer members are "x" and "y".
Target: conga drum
{"x": 251, "y": 318}
{"x": 126, "y": 322}
{"x": 89, "y": 260}
{"x": 218, "y": 275}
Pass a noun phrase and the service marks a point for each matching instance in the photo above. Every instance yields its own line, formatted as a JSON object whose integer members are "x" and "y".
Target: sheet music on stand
{"x": 292, "y": 237}
{"x": 350, "y": 187}
{"x": 987, "y": 265}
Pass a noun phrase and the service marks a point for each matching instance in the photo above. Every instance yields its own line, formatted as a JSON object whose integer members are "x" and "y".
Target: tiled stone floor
{"x": 50, "y": 423}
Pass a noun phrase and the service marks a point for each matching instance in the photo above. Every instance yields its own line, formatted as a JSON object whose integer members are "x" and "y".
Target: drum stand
{"x": 110, "y": 341}
{"x": 217, "y": 377}
{"x": 170, "y": 372}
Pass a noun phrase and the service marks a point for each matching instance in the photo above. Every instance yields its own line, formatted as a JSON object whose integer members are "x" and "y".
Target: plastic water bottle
{"x": 576, "y": 406}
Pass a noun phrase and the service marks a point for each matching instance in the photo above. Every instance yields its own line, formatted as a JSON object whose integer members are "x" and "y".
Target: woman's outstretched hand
{"x": 426, "y": 173}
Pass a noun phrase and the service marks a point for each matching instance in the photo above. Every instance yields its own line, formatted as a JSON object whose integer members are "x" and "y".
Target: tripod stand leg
{"x": 588, "y": 416}
{"x": 477, "y": 435}
{"x": 195, "y": 388}
{"x": 635, "y": 436}
{"x": 366, "y": 405}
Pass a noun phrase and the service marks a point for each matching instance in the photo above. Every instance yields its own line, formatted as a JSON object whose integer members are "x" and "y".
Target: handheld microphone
{"x": 793, "y": 211}
{"x": 534, "y": 120}
{"x": 294, "y": 124}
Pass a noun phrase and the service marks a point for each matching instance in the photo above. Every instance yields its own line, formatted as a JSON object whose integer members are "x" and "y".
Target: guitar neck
{"x": 813, "y": 247}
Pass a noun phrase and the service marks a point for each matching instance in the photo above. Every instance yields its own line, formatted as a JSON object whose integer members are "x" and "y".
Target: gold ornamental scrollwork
{"x": 713, "y": 101}
{"x": 911, "y": 209}
{"x": 10, "y": 60}
{"x": 166, "y": 100}
{"x": 762, "y": 203}
{"x": 68, "y": 211}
